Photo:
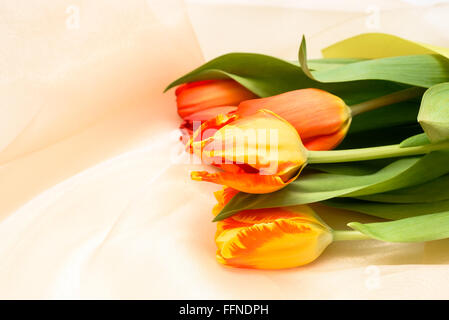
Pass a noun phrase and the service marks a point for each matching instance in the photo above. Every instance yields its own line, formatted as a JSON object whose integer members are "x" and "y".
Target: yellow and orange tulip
{"x": 198, "y": 96}
{"x": 275, "y": 238}
{"x": 321, "y": 118}
{"x": 259, "y": 153}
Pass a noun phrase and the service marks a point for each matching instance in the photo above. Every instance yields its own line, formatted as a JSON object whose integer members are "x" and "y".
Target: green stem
{"x": 342, "y": 235}
{"x": 394, "y": 97}
{"x": 392, "y": 151}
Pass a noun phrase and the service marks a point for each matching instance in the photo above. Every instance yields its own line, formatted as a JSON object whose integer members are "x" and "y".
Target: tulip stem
{"x": 363, "y": 154}
{"x": 343, "y": 235}
{"x": 383, "y": 101}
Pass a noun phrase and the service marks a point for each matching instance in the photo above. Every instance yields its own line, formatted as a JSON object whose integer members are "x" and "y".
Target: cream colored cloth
{"x": 96, "y": 196}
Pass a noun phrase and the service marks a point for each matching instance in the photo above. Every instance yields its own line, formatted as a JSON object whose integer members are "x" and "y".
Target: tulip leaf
{"x": 314, "y": 187}
{"x": 415, "y": 229}
{"x": 434, "y": 190}
{"x": 434, "y": 112}
{"x": 263, "y": 75}
{"x": 415, "y": 141}
{"x": 267, "y": 76}
{"x": 390, "y": 211}
{"x": 359, "y": 168}
{"x": 401, "y": 69}
{"x": 327, "y": 64}
{"x": 429, "y": 167}
{"x": 302, "y": 58}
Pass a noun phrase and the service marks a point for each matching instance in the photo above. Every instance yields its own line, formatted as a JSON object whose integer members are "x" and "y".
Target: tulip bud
{"x": 321, "y": 118}
{"x": 275, "y": 238}
{"x": 260, "y": 153}
{"x": 201, "y": 95}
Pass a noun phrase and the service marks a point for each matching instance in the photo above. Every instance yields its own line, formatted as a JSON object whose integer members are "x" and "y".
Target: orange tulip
{"x": 321, "y": 118}
{"x": 275, "y": 238}
{"x": 260, "y": 153}
{"x": 201, "y": 95}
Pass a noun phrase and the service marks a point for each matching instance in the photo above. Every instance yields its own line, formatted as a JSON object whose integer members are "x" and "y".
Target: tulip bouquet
{"x": 366, "y": 129}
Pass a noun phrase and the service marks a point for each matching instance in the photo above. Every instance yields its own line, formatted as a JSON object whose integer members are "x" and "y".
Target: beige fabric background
{"x": 95, "y": 196}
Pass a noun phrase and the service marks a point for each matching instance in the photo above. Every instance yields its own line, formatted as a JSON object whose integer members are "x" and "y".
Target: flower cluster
{"x": 260, "y": 146}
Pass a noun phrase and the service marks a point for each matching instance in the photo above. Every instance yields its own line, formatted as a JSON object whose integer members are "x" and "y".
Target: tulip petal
{"x": 271, "y": 214}
{"x": 246, "y": 182}
{"x": 327, "y": 142}
{"x": 200, "y": 95}
{"x": 192, "y": 122}
{"x": 223, "y": 197}
{"x": 204, "y": 134}
{"x": 311, "y": 111}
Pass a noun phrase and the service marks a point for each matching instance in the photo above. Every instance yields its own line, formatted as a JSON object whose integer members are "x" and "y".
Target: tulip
{"x": 275, "y": 238}
{"x": 201, "y": 95}
{"x": 321, "y": 118}
{"x": 260, "y": 153}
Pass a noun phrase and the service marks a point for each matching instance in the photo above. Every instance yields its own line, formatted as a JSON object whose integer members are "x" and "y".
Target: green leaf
{"x": 428, "y": 167}
{"x": 359, "y": 168}
{"x": 411, "y": 69}
{"x": 434, "y": 190}
{"x": 417, "y": 229}
{"x": 267, "y": 76}
{"x": 264, "y": 75}
{"x": 302, "y": 58}
{"x": 313, "y": 187}
{"x": 417, "y": 70}
{"x": 415, "y": 141}
{"x": 434, "y": 112}
{"x": 390, "y": 211}
{"x": 327, "y": 64}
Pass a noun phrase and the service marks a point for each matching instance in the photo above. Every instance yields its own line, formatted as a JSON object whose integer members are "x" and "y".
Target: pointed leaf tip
{"x": 434, "y": 112}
